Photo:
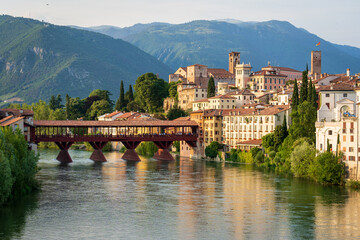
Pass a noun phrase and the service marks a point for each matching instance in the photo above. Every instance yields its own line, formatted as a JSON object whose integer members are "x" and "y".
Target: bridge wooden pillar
{"x": 163, "y": 152}
{"x": 64, "y": 156}
{"x": 98, "y": 155}
{"x": 130, "y": 154}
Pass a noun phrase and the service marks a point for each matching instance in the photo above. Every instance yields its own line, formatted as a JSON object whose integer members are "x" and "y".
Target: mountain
{"x": 38, "y": 60}
{"x": 209, "y": 42}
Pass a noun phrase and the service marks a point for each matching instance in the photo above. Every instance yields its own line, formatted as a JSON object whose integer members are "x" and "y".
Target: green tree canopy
{"x": 175, "y": 112}
{"x": 98, "y": 108}
{"x": 212, "y": 150}
{"x": 303, "y": 122}
{"x": 151, "y": 92}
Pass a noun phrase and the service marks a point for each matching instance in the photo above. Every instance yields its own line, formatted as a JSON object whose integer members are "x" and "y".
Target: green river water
{"x": 185, "y": 199}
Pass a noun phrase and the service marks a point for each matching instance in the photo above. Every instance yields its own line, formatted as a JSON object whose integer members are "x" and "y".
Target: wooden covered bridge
{"x": 130, "y": 133}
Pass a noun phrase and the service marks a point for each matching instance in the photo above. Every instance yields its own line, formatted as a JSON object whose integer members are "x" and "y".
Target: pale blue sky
{"x": 334, "y": 20}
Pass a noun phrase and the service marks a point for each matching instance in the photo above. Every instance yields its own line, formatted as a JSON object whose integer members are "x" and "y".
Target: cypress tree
{"x": 310, "y": 92}
{"x": 67, "y": 106}
{"x": 314, "y": 97}
{"x": 295, "y": 97}
{"x": 120, "y": 103}
{"x": 211, "y": 88}
{"x": 129, "y": 94}
{"x": 52, "y": 103}
{"x": 58, "y": 101}
{"x": 304, "y": 87}
{"x": 284, "y": 128}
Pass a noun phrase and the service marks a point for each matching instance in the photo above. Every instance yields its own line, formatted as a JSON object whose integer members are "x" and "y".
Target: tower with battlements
{"x": 234, "y": 59}
{"x": 315, "y": 63}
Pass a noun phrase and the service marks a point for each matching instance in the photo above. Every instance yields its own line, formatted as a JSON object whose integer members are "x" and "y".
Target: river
{"x": 185, "y": 199}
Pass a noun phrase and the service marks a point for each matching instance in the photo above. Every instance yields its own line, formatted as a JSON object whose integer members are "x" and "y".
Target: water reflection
{"x": 185, "y": 199}
{"x": 13, "y": 216}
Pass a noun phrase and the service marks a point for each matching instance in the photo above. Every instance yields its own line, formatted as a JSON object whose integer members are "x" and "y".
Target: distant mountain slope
{"x": 208, "y": 42}
{"x": 38, "y": 60}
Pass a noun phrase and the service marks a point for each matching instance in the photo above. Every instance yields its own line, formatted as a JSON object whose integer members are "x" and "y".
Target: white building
{"x": 337, "y": 125}
{"x": 222, "y": 102}
{"x": 248, "y": 124}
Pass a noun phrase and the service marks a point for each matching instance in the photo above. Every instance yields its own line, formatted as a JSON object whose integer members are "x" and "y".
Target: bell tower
{"x": 234, "y": 59}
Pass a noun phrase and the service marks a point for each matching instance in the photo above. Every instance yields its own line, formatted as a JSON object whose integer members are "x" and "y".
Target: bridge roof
{"x": 138, "y": 123}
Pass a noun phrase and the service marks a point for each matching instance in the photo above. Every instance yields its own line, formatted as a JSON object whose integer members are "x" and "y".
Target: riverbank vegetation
{"x": 17, "y": 165}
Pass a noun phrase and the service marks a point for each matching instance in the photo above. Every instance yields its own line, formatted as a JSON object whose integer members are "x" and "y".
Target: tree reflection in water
{"x": 13, "y": 216}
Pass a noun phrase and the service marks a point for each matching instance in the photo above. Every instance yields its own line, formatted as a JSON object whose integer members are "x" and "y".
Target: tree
{"x": 211, "y": 88}
{"x": 284, "y": 128}
{"x": 129, "y": 96}
{"x": 328, "y": 169}
{"x": 304, "y": 87}
{"x": 120, "y": 103}
{"x": 102, "y": 94}
{"x": 303, "y": 122}
{"x": 98, "y": 108}
{"x": 295, "y": 97}
{"x": 52, "y": 102}
{"x": 67, "y": 106}
{"x": 301, "y": 159}
{"x": 268, "y": 140}
{"x": 173, "y": 93}
{"x": 151, "y": 92}
{"x": 310, "y": 92}
{"x": 175, "y": 112}
{"x": 212, "y": 150}
{"x": 59, "y": 101}
{"x": 314, "y": 97}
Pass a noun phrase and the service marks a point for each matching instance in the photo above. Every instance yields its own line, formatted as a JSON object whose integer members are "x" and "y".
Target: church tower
{"x": 234, "y": 59}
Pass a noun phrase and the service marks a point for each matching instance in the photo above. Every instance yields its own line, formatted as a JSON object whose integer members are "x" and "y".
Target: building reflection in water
{"x": 231, "y": 201}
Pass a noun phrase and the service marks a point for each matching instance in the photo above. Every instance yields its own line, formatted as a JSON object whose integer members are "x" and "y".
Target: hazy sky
{"x": 334, "y": 20}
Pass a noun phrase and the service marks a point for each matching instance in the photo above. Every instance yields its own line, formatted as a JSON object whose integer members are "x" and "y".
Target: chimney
{"x": 348, "y": 72}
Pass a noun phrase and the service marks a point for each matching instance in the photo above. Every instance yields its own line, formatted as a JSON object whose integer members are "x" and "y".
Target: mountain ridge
{"x": 39, "y": 59}
{"x": 276, "y": 41}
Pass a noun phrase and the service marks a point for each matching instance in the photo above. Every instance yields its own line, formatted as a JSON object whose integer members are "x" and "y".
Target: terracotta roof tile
{"x": 18, "y": 112}
{"x": 222, "y": 97}
{"x": 257, "y": 142}
{"x": 6, "y": 119}
{"x": 11, "y": 121}
{"x": 139, "y": 123}
{"x": 220, "y": 73}
{"x": 338, "y": 87}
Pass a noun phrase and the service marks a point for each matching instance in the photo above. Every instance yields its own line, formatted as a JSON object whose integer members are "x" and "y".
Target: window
{"x": 344, "y": 125}
{"x": 351, "y": 149}
{"x": 344, "y": 138}
{"x": 344, "y": 149}
{"x": 352, "y": 158}
{"x": 352, "y": 125}
{"x": 327, "y": 95}
{"x": 345, "y": 95}
{"x": 330, "y": 132}
{"x": 351, "y": 138}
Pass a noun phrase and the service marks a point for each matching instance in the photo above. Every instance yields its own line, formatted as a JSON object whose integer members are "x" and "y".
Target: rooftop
{"x": 139, "y": 123}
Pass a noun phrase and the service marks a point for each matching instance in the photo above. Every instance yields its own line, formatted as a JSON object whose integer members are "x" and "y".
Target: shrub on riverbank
{"x": 17, "y": 165}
